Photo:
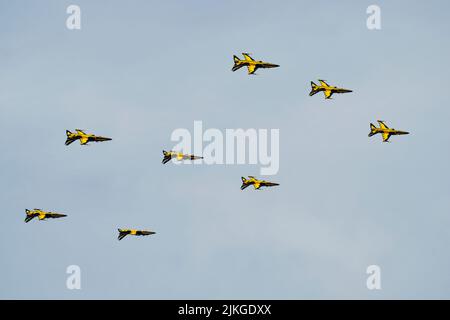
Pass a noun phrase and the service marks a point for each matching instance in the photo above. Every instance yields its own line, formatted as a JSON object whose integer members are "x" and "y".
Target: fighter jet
{"x": 327, "y": 89}
{"x": 256, "y": 183}
{"x": 169, "y": 155}
{"x": 385, "y": 131}
{"x": 124, "y": 232}
{"x": 42, "y": 215}
{"x": 83, "y": 137}
{"x": 251, "y": 64}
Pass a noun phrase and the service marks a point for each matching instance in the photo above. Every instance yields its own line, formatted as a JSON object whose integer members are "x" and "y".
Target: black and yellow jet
{"x": 327, "y": 89}
{"x": 251, "y": 64}
{"x": 169, "y": 155}
{"x": 42, "y": 215}
{"x": 124, "y": 232}
{"x": 385, "y": 131}
{"x": 83, "y": 137}
{"x": 256, "y": 183}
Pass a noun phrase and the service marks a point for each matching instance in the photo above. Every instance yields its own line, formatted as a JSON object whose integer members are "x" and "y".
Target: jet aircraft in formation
{"x": 124, "y": 232}
{"x": 83, "y": 137}
{"x": 251, "y": 64}
{"x": 169, "y": 155}
{"x": 256, "y": 183}
{"x": 326, "y": 89}
{"x": 41, "y": 214}
{"x": 385, "y": 131}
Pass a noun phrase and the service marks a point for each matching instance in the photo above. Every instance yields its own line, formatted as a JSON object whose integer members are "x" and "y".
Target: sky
{"x": 138, "y": 70}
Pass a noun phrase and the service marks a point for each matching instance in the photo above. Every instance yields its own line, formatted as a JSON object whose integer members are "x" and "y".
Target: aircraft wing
{"x": 84, "y": 140}
{"x": 257, "y": 185}
{"x": 251, "y": 68}
{"x": 382, "y": 125}
{"x": 247, "y": 57}
{"x": 323, "y": 83}
{"x": 328, "y": 94}
{"x": 386, "y": 136}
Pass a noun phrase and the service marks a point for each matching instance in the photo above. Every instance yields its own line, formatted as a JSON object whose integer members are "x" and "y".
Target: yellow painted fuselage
{"x": 256, "y": 183}
{"x": 41, "y": 215}
{"x": 133, "y": 232}
{"x": 83, "y": 137}
{"x": 385, "y": 131}
{"x": 251, "y": 64}
{"x": 326, "y": 89}
{"x": 169, "y": 155}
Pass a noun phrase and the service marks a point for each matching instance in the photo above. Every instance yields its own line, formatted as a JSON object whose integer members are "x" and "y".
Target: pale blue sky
{"x": 140, "y": 69}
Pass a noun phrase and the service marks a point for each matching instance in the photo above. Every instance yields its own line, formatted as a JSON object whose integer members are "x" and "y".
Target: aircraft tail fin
{"x": 313, "y": 89}
{"x": 244, "y": 183}
{"x": 167, "y": 157}
{"x": 69, "y": 139}
{"x": 372, "y": 129}
{"x": 237, "y": 63}
{"x": 28, "y": 218}
{"x": 122, "y": 234}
